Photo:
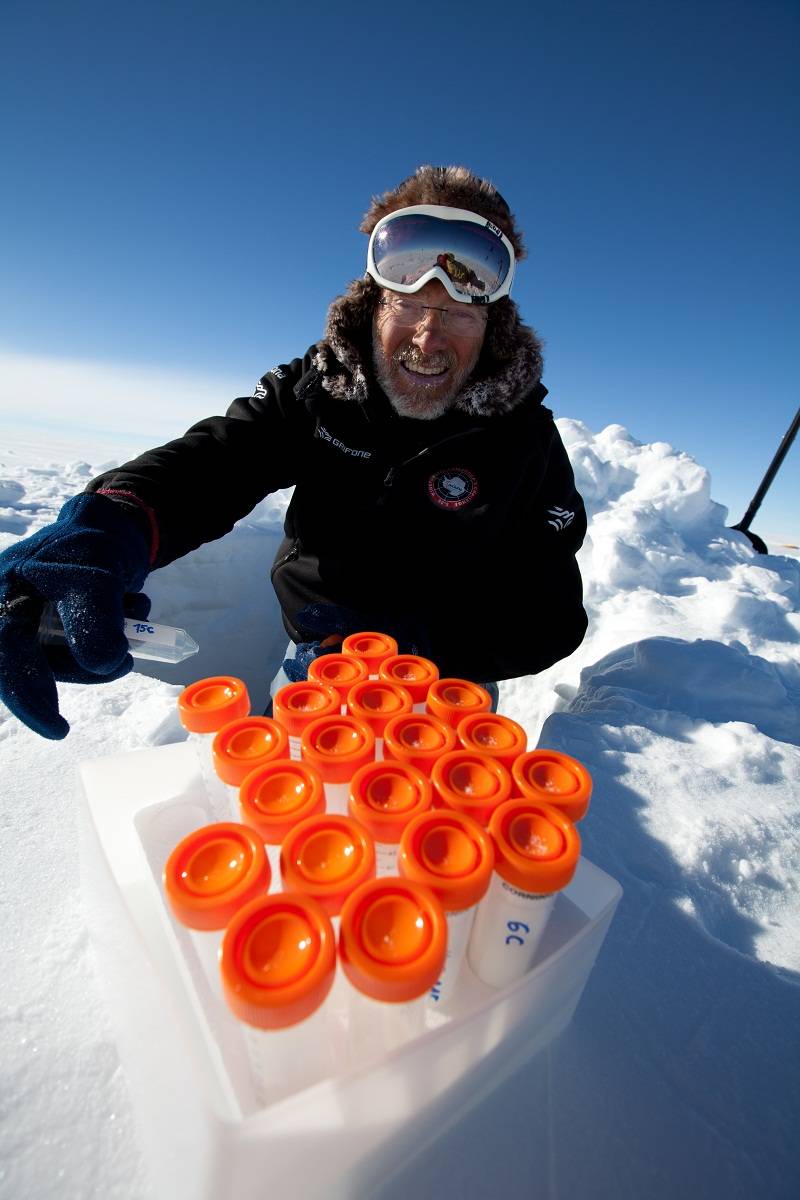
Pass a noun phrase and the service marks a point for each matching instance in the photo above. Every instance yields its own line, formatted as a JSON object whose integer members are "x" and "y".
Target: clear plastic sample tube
{"x": 275, "y": 797}
{"x": 453, "y": 856}
{"x": 146, "y": 639}
{"x": 414, "y": 673}
{"x": 392, "y": 945}
{"x": 241, "y": 746}
{"x": 471, "y": 783}
{"x": 327, "y": 857}
{"x": 554, "y": 778}
{"x": 453, "y": 699}
{"x": 296, "y": 705}
{"x": 204, "y": 707}
{"x": 538, "y": 848}
{"x": 337, "y": 746}
{"x": 209, "y": 875}
{"x": 384, "y": 797}
{"x": 375, "y": 703}
{"x": 278, "y": 963}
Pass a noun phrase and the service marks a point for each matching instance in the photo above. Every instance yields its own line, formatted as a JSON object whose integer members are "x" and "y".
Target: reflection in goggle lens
{"x": 474, "y": 260}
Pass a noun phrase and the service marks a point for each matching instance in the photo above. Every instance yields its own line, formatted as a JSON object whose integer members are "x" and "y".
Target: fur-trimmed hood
{"x": 509, "y": 367}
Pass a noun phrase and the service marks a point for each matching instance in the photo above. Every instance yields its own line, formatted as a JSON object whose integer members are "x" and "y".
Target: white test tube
{"x": 452, "y": 855}
{"x": 209, "y": 875}
{"x": 337, "y": 746}
{"x": 274, "y": 798}
{"x": 204, "y": 707}
{"x": 384, "y": 797}
{"x": 459, "y": 927}
{"x": 296, "y": 705}
{"x": 238, "y": 749}
{"x": 392, "y": 943}
{"x": 386, "y": 858}
{"x": 283, "y": 1061}
{"x": 537, "y": 849}
{"x": 277, "y": 965}
{"x": 215, "y": 790}
{"x": 376, "y": 703}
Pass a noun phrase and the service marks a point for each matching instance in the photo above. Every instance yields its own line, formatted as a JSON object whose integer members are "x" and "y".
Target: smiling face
{"x": 422, "y": 370}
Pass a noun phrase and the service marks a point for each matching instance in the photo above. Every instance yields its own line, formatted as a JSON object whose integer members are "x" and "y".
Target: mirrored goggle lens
{"x": 473, "y": 258}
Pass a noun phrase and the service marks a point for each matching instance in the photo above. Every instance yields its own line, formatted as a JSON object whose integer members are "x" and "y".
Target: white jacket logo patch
{"x": 563, "y": 518}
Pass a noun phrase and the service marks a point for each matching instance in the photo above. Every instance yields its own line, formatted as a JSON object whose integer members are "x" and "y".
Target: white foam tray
{"x": 203, "y": 1135}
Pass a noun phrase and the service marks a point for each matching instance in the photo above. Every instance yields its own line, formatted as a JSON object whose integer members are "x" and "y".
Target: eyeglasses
{"x": 464, "y": 322}
{"x": 471, "y": 257}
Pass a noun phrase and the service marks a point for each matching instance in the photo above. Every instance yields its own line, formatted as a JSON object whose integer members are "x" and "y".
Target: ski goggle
{"x": 468, "y": 254}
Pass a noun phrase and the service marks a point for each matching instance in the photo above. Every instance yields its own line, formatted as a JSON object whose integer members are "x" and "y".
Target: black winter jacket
{"x": 459, "y": 534}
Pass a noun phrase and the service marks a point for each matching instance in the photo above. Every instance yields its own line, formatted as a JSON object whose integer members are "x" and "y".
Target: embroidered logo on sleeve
{"x": 452, "y": 488}
{"x": 562, "y": 518}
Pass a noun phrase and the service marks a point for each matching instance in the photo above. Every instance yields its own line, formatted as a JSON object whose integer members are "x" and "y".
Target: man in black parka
{"x": 433, "y": 496}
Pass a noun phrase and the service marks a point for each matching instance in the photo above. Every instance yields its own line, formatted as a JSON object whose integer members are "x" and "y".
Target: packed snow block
{"x": 703, "y": 679}
{"x": 203, "y": 1134}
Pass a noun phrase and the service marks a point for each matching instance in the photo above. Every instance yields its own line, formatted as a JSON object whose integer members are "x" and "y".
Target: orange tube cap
{"x": 392, "y": 939}
{"x": 453, "y": 699}
{"x": 411, "y": 671}
{"x": 277, "y": 795}
{"x": 470, "y": 783}
{"x": 449, "y": 853}
{"x": 278, "y": 960}
{"x": 370, "y": 646}
{"x": 376, "y": 702}
{"x": 384, "y": 796}
{"x": 494, "y": 735}
{"x": 555, "y": 778}
{"x": 212, "y": 872}
{"x": 537, "y": 846}
{"x": 337, "y": 746}
{"x": 338, "y": 671}
{"x": 208, "y": 704}
{"x": 296, "y": 705}
{"x": 417, "y": 739}
{"x": 326, "y": 857}
{"x": 241, "y": 746}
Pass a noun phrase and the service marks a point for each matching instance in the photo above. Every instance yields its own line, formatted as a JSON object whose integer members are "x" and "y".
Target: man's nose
{"x": 429, "y": 334}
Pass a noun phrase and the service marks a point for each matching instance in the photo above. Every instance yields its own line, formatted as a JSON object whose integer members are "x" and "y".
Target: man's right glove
{"x": 86, "y": 563}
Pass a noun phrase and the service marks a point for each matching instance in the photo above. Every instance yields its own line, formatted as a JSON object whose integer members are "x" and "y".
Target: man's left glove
{"x": 86, "y": 563}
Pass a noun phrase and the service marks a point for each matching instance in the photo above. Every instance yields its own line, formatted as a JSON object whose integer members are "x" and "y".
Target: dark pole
{"x": 763, "y": 487}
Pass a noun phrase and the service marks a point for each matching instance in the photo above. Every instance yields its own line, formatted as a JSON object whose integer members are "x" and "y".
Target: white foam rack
{"x": 203, "y": 1135}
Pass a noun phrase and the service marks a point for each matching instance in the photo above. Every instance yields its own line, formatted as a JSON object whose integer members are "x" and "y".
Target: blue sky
{"x": 184, "y": 182}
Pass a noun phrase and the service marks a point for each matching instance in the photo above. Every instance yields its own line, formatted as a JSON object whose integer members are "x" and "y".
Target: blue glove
{"x": 85, "y": 563}
{"x": 296, "y": 669}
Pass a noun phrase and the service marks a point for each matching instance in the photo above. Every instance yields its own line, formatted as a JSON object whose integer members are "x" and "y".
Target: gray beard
{"x": 421, "y": 407}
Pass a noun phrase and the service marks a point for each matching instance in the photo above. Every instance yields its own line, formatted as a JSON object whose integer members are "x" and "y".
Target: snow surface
{"x": 679, "y": 1073}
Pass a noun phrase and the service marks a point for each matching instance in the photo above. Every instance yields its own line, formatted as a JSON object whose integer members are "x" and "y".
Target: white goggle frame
{"x": 443, "y": 213}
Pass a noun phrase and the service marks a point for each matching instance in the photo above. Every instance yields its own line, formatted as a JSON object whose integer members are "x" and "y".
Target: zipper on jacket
{"x": 290, "y": 554}
{"x": 389, "y": 479}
